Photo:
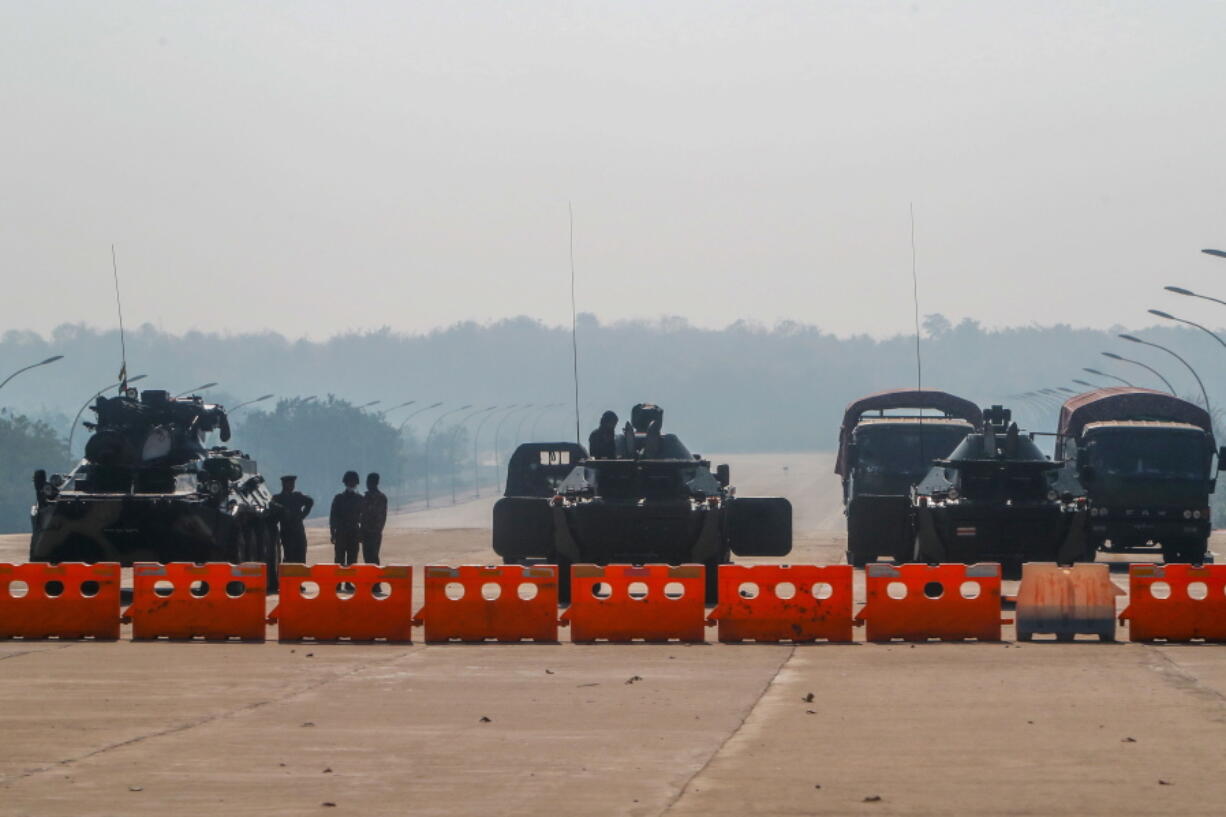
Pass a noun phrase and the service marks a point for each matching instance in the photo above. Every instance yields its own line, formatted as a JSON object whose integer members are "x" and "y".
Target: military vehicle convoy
{"x": 653, "y": 502}
{"x": 1146, "y": 460}
{"x": 148, "y": 490}
{"x": 881, "y": 457}
{"x": 996, "y": 498}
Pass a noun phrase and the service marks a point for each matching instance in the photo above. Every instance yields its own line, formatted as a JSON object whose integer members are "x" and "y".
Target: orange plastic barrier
{"x": 331, "y": 602}
{"x": 626, "y": 603}
{"x": 67, "y": 600}
{"x": 1176, "y": 602}
{"x": 918, "y": 602}
{"x": 182, "y": 600}
{"x": 490, "y": 603}
{"x": 1066, "y": 601}
{"x": 783, "y": 603}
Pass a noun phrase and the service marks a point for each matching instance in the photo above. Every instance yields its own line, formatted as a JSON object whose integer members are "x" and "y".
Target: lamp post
{"x": 476, "y": 456}
{"x": 1087, "y": 384}
{"x": 85, "y": 405}
{"x": 544, "y": 410}
{"x": 455, "y": 434}
{"x": 1218, "y": 253}
{"x": 259, "y": 399}
{"x": 519, "y": 429}
{"x": 368, "y": 405}
{"x": 4, "y": 382}
{"x": 195, "y": 389}
{"x": 498, "y": 431}
{"x": 1168, "y": 316}
{"x": 1191, "y": 294}
{"x": 1106, "y": 374}
{"x": 1146, "y": 366}
{"x": 404, "y": 488}
{"x": 1134, "y": 339}
{"x": 430, "y": 434}
{"x": 388, "y": 411}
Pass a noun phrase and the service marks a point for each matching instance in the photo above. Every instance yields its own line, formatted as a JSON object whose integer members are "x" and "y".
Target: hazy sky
{"x": 318, "y": 167}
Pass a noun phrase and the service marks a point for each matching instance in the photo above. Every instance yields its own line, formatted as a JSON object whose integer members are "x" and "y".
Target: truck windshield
{"x": 906, "y": 449}
{"x": 1151, "y": 455}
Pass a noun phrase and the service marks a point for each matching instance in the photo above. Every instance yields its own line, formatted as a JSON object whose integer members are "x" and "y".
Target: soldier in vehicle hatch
{"x": 345, "y": 520}
{"x": 291, "y": 508}
{"x": 601, "y": 443}
{"x": 374, "y": 517}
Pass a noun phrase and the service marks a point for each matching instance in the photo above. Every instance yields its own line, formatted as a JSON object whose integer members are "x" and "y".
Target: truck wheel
{"x": 1172, "y": 552}
{"x": 859, "y": 552}
{"x": 711, "y": 576}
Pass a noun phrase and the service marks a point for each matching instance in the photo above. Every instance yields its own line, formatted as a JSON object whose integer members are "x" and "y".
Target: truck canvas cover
{"x": 1125, "y": 403}
{"x": 949, "y": 404}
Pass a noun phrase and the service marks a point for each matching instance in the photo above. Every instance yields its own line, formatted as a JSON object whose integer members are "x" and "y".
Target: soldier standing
{"x": 374, "y": 517}
{"x": 345, "y": 521}
{"x": 601, "y": 443}
{"x": 292, "y": 507}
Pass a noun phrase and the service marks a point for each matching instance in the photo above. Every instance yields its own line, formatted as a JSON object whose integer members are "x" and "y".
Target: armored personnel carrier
{"x": 881, "y": 456}
{"x": 149, "y": 490}
{"x": 996, "y": 498}
{"x": 652, "y": 502}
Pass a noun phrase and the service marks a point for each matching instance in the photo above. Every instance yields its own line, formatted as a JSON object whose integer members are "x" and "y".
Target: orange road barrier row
{"x": 328, "y": 602}
{"x": 918, "y": 602}
{"x": 622, "y": 603}
{"x": 1066, "y": 601}
{"x": 1176, "y": 602}
{"x": 490, "y": 603}
{"x": 67, "y": 600}
{"x": 783, "y": 603}
{"x": 181, "y": 600}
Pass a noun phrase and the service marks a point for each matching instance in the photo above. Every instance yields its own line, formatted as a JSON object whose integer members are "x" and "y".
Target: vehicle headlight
{"x": 1052, "y": 496}
{"x": 952, "y": 494}
{"x": 1188, "y": 514}
{"x": 1196, "y": 514}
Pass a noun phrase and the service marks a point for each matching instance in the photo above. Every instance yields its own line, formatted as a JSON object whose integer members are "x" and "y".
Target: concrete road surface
{"x": 934, "y": 729}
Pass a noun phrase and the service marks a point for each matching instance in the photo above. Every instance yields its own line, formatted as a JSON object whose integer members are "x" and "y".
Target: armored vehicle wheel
{"x": 711, "y": 575}
{"x": 270, "y": 555}
{"x": 563, "y": 581}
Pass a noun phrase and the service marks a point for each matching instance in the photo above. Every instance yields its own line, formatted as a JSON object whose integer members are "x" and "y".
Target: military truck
{"x": 997, "y": 498}
{"x": 653, "y": 502}
{"x": 881, "y": 456}
{"x": 1146, "y": 460}
{"x": 149, "y": 490}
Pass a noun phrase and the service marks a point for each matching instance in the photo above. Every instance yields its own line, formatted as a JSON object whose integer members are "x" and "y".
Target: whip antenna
{"x": 919, "y": 368}
{"x": 574, "y": 321}
{"x": 123, "y": 348}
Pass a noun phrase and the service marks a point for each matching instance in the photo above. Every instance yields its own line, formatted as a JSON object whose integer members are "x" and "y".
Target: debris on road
{"x": 633, "y": 678}
{"x": 809, "y": 698}
{"x": 485, "y": 719}
{"x": 873, "y": 798}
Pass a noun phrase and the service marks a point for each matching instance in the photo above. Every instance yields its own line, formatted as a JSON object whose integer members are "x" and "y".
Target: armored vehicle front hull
{"x": 1008, "y": 535}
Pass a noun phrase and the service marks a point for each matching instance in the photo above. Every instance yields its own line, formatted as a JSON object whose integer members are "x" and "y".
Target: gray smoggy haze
{"x": 311, "y": 168}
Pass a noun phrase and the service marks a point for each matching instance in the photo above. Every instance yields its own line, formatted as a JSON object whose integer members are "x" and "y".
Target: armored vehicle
{"x": 148, "y": 490}
{"x": 653, "y": 502}
{"x": 881, "y": 456}
{"x": 1146, "y": 460}
{"x": 996, "y": 498}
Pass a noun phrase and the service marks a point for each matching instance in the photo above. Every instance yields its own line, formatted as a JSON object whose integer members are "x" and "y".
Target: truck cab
{"x": 886, "y": 445}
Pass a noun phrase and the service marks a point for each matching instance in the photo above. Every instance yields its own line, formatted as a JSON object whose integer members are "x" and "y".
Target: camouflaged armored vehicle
{"x": 653, "y": 502}
{"x": 148, "y": 490}
{"x": 996, "y": 498}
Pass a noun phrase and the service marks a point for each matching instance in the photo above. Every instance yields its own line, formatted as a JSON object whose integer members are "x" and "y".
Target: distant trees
{"x": 25, "y": 446}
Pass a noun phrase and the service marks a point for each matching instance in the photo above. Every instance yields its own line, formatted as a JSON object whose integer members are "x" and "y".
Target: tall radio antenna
{"x": 919, "y": 369}
{"x": 123, "y": 348}
{"x": 574, "y": 320}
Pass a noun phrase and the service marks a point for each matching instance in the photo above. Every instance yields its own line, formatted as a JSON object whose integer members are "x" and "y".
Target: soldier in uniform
{"x": 291, "y": 508}
{"x": 345, "y": 521}
{"x": 601, "y": 442}
{"x": 374, "y": 517}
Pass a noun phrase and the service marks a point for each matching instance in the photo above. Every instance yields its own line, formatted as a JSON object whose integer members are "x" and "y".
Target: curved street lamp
{"x": 1087, "y": 384}
{"x": 1159, "y": 313}
{"x": 476, "y": 443}
{"x": 1218, "y": 253}
{"x": 259, "y": 399}
{"x": 1146, "y": 366}
{"x": 4, "y": 382}
{"x": 430, "y": 434}
{"x": 388, "y": 411}
{"x": 498, "y": 431}
{"x": 519, "y": 429}
{"x": 368, "y": 405}
{"x": 1191, "y": 294}
{"x": 1106, "y": 374}
{"x": 196, "y": 389}
{"x": 1134, "y": 339}
{"x": 455, "y": 434}
{"x": 403, "y": 422}
{"x": 73, "y": 429}
{"x": 544, "y": 410}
